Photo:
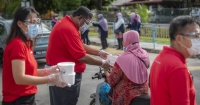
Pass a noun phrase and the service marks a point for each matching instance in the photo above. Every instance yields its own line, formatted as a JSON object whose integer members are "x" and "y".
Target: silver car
{"x": 41, "y": 45}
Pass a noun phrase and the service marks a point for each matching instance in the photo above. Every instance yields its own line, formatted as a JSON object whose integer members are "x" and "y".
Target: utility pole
{"x": 32, "y": 3}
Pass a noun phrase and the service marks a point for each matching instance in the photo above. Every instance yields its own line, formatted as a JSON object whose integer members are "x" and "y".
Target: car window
{"x": 2, "y": 29}
{"x": 43, "y": 28}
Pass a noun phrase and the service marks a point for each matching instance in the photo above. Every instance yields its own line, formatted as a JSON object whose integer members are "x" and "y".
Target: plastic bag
{"x": 103, "y": 94}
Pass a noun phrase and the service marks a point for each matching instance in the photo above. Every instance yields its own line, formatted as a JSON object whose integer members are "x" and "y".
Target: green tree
{"x": 43, "y": 6}
{"x": 3, "y": 4}
{"x": 96, "y": 4}
{"x": 142, "y": 10}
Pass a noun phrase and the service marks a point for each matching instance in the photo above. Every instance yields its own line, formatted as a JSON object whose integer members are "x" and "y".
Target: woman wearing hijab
{"x": 128, "y": 78}
{"x": 139, "y": 20}
{"x": 103, "y": 30}
{"x": 119, "y": 30}
{"x": 54, "y": 20}
{"x": 135, "y": 23}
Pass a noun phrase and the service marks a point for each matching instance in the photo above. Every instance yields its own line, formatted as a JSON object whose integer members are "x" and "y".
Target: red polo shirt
{"x": 170, "y": 81}
{"x": 65, "y": 44}
{"x": 17, "y": 49}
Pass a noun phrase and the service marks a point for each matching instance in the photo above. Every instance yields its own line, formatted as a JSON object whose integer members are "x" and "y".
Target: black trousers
{"x": 24, "y": 100}
{"x": 85, "y": 37}
{"x": 67, "y": 95}
{"x": 104, "y": 43}
{"x": 119, "y": 41}
{"x": 141, "y": 100}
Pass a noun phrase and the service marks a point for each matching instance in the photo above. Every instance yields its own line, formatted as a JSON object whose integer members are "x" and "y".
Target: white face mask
{"x": 56, "y": 18}
{"x": 195, "y": 49}
{"x": 33, "y": 30}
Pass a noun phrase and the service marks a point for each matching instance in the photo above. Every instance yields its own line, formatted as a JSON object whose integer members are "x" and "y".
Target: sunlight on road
{"x": 194, "y": 67}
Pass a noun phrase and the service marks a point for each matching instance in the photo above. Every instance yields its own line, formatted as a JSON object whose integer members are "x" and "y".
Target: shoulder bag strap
{"x": 140, "y": 59}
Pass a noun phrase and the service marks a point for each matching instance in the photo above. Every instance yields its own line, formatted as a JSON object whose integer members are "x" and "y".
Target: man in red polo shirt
{"x": 171, "y": 83}
{"x": 65, "y": 45}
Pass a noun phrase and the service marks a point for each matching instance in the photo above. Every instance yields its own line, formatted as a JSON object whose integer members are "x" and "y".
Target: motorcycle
{"x": 95, "y": 96}
{"x": 138, "y": 100}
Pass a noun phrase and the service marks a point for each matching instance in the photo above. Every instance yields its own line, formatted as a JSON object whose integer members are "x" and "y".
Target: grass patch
{"x": 142, "y": 38}
{"x": 158, "y": 40}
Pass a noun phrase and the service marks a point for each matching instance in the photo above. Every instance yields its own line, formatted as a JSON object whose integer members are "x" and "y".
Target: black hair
{"x": 82, "y": 11}
{"x": 178, "y": 25}
{"x": 20, "y": 15}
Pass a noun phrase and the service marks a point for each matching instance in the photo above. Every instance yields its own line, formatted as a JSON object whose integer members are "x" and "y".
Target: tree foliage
{"x": 3, "y": 4}
{"x": 13, "y": 5}
{"x": 43, "y": 6}
{"x": 142, "y": 10}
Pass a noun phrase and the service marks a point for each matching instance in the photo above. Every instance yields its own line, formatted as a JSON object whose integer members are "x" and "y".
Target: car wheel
{"x": 1, "y": 57}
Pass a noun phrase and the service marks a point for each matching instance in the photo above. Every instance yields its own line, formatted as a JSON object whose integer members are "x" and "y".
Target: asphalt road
{"x": 88, "y": 86}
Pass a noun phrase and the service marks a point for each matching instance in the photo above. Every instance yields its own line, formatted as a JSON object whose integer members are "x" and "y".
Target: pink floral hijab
{"x": 134, "y": 60}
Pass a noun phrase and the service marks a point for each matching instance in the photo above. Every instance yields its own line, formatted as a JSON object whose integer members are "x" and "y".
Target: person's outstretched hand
{"x": 56, "y": 79}
{"x": 103, "y": 54}
{"x": 106, "y": 65}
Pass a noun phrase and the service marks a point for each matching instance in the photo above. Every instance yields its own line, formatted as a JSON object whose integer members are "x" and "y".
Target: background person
{"x": 171, "y": 83}
{"x": 129, "y": 75}
{"x": 54, "y": 19}
{"x": 20, "y": 74}
{"x": 139, "y": 25}
{"x": 119, "y": 30}
{"x": 85, "y": 38}
{"x": 65, "y": 45}
{"x": 135, "y": 23}
{"x": 103, "y": 30}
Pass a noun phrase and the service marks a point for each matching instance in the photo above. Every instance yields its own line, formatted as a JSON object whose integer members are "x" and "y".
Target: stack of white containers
{"x": 67, "y": 72}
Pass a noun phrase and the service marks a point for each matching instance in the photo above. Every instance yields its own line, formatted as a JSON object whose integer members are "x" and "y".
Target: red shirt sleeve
{"x": 18, "y": 51}
{"x": 115, "y": 75}
{"x": 179, "y": 87}
{"x": 74, "y": 44}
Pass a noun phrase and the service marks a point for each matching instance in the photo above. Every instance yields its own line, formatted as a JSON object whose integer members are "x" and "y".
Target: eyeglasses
{"x": 33, "y": 21}
{"x": 192, "y": 34}
{"x": 87, "y": 21}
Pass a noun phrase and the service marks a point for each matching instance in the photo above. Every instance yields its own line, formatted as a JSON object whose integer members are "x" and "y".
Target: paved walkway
{"x": 145, "y": 45}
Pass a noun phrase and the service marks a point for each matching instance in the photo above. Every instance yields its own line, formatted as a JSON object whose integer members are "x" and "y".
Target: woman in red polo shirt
{"x": 20, "y": 74}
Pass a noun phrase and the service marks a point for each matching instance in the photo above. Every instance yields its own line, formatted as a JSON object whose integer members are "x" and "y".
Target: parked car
{"x": 1, "y": 18}
{"x": 41, "y": 45}
{"x": 161, "y": 16}
{"x": 195, "y": 13}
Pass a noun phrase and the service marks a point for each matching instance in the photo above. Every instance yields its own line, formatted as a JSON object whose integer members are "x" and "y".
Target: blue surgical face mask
{"x": 33, "y": 30}
{"x": 83, "y": 28}
{"x": 124, "y": 49}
